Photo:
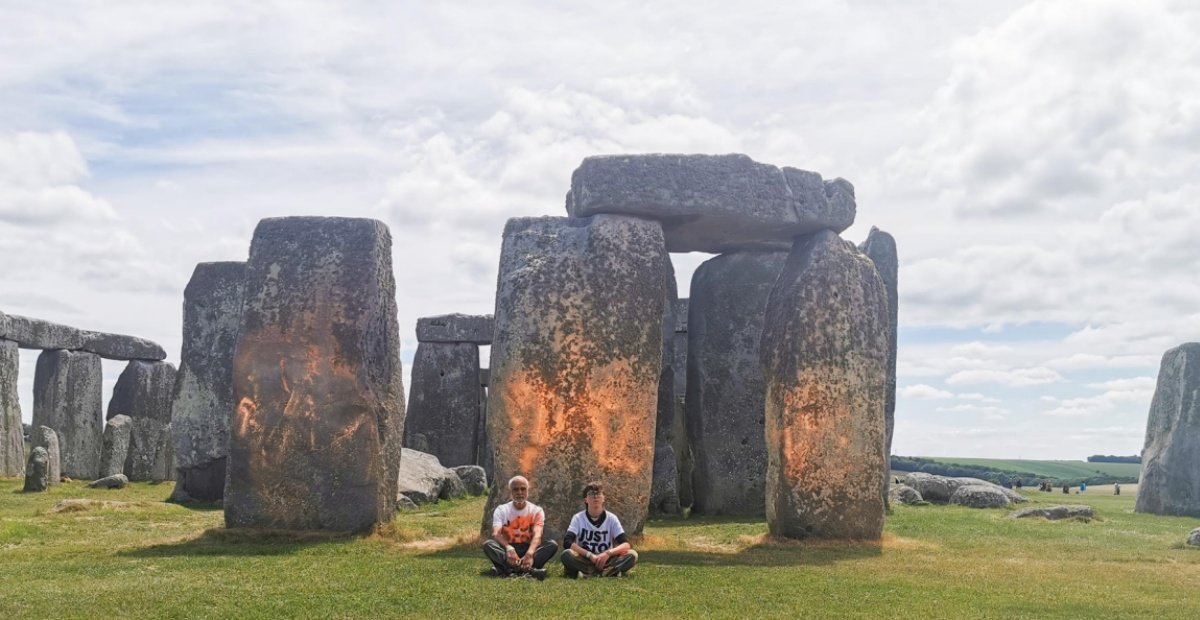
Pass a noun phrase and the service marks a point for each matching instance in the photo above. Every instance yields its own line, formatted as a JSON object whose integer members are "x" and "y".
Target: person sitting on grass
{"x": 516, "y": 546}
{"x": 595, "y": 542}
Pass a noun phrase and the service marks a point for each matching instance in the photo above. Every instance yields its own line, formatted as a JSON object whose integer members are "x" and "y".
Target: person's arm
{"x": 498, "y": 536}
{"x": 527, "y": 561}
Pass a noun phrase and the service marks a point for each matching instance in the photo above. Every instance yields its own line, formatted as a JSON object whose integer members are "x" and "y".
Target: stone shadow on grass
{"x": 240, "y": 541}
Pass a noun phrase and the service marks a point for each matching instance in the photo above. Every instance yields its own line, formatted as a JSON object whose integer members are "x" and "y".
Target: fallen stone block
{"x": 422, "y": 478}
{"x": 904, "y": 494}
{"x": 473, "y": 477}
{"x": 1055, "y": 513}
{"x": 117, "y": 481}
{"x": 979, "y": 496}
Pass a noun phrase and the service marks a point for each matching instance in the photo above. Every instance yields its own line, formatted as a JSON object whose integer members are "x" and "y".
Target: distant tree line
{"x": 993, "y": 474}
{"x": 1108, "y": 458}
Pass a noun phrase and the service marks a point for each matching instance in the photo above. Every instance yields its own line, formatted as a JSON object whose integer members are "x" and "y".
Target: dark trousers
{"x": 499, "y": 557}
{"x": 574, "y": 564}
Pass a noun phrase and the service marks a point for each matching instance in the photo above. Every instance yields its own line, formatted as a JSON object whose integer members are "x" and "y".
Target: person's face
{"x": 594, "y": 501}
{"x": 519, "y": 491}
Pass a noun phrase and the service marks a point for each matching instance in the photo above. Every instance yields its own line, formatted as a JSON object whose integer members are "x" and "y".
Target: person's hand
{"x": 512, "y": 557}
{"x": 527, "y": 561}
{"x": 599, "y": 559}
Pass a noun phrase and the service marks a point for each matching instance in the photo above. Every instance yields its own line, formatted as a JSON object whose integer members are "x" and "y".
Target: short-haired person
{"x": 595, "y": 542}
{"x": 516, "y": 546}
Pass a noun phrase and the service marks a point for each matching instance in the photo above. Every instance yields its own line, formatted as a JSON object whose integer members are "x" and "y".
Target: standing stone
{"x": 143, "y": 393}
{"x": 824, "y": 351}
{"x": 725, "y": 381}
{"x": 664, "y": 493}
{"x": 45, "y": 437}
{"x": 12, "y": 441}
{"x": 484, "y": 455}
{"x": 315, "y": 439}
{"x": 67, "y": 397}
{"x": 202, "y": 399}
{"x": 681, "y": 445}
{"x": 880, "y": 247}
{"x": 443, "y": 402}
{"x": 116, "y": 445}
{"x": 1170, "y": 480}
{"x": 37, "y": 471}
{"x": 575, "y": 362}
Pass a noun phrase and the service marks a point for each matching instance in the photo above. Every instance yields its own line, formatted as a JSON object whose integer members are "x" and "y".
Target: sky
{"x": 1038, "y": 163}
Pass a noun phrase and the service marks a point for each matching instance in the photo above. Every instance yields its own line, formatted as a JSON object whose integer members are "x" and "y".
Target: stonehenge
{"x": 1170, "y": 478}
{"x": 46, "y": 438}
{"x": 445, "y": 402}
{"x": 575, "y": 364}
{"x": 880, "y": 247}
{"x": 725, "y": 382}
{"x": 143, "y": 394}
{"x": 202, "y": 397}
{"x": 67, "y": 391}
{"x": 314, "y": 443}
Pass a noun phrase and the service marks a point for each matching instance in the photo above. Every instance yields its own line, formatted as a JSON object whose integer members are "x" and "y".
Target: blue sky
{"x": 1035, "y": 160}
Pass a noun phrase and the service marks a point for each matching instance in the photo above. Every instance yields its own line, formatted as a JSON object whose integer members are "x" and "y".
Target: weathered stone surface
{"x": 681, "y": 446}
{"x": 904, "y": 494}
{"x": 484, "y": 457}
{"x": 575, "y": 362}
{"x": 37, "y": 471}
{"x": 824, "y": 351}
{"x": 880, "y": 247}
{"x": 114, "y": 452}
{"x": 149, "y": 456}
{"x": 712, "y": 203}
{"x": 422, "y": 477}
{"x": 1170, "y": 477}
{"x": 1055, "y": 513}
{"x": 1012, "y": 495}
{"x": 664, "y": 489}
{"x": 143, "y": 391}
{"x": 202, "y": 398}
{"x": 315, "y": 438}
{"x": 456, "y": 328}
{"x": 117, "y": 481}
{"x": 32, "y": 333}
{"x": 979, "y": 496}
{"x": 404, "y": 503}
{"x": 1193, "y": 538}
{"x": 473, "y": 477}
{"x": 45, "y": 437}
{"x": 726, "y": 388}
{"x": 67, "y": 398}
{"x": 452, "y": 488}
{"x": 932, "y": 488}
{"x": 12, "y": 440}
{"x": 443, "y": 402}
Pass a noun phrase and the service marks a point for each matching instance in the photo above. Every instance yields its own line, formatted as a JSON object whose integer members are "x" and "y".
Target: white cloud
{"x": 923, "y": 392}
{"x": 1015, "y": 377}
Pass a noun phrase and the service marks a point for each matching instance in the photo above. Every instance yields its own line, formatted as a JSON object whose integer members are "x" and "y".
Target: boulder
{"x": 449, "y": 328}
{"x": 576, "y": 363}
{"x": 979, "y": 496}
{"x": 1170, "y": 478}
{"x": 315, "y": 438}
{"x": 143, "y": 391}
{"x": 1012, "y": 495}
{"x": 937, "y": 489}
{"x": 824, "y": 350}
{"x": 12, "y": 440}
{"x": 726, "y": 387}
{"x": 712, "y": 203}
{"x": 473, "y": 477}
{"x": 452, "y": 488}
{"x": 664, "y": 487}
{"x": 1193, "y": 538}
{"x": 443, "y": 402}
{"x": 115, "y": 450}
{"x": 32, "y": 333}
{"x": 67, "y": 398}
{"x": 45, "y": 437}
{"x": 1055, "y": 513}
{"x": 37, "y": 471}
{"x": 424, "y": 480}
{"x": 404, "y": 503}
{"x": 117, "y": 481}
{"x": 880, "y": 247}
{"x": 904, "y": 494}
{"x": 202, "y": 397}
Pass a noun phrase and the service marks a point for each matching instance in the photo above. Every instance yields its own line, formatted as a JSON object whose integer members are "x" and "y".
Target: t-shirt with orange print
{"x": 517, "y": 525}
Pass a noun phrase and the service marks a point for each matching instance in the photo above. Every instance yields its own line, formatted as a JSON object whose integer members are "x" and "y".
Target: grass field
{"x": 1049, "y": 469}
{"x": 151, "y": 559}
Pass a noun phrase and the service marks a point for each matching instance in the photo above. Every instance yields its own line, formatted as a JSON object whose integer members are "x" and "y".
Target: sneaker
{"x": 492, "y": 571}
{"x": 610, "y": 571}
{"x": 538, "y": 573}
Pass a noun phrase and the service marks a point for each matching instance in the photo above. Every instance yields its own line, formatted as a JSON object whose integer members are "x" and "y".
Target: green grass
{"x": 159, "y": 560}
{"x": 1049, "y": 469}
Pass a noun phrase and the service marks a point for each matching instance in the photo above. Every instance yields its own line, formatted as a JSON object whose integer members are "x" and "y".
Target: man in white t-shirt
{"x": 595, "y": 542}
{"x": 516, "y": 546}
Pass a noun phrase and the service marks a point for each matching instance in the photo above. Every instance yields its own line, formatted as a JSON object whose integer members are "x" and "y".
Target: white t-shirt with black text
{"x": 596, "y": 537}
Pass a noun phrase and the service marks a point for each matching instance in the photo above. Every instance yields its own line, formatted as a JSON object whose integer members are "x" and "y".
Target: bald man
{"x": 516, "y": 546}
